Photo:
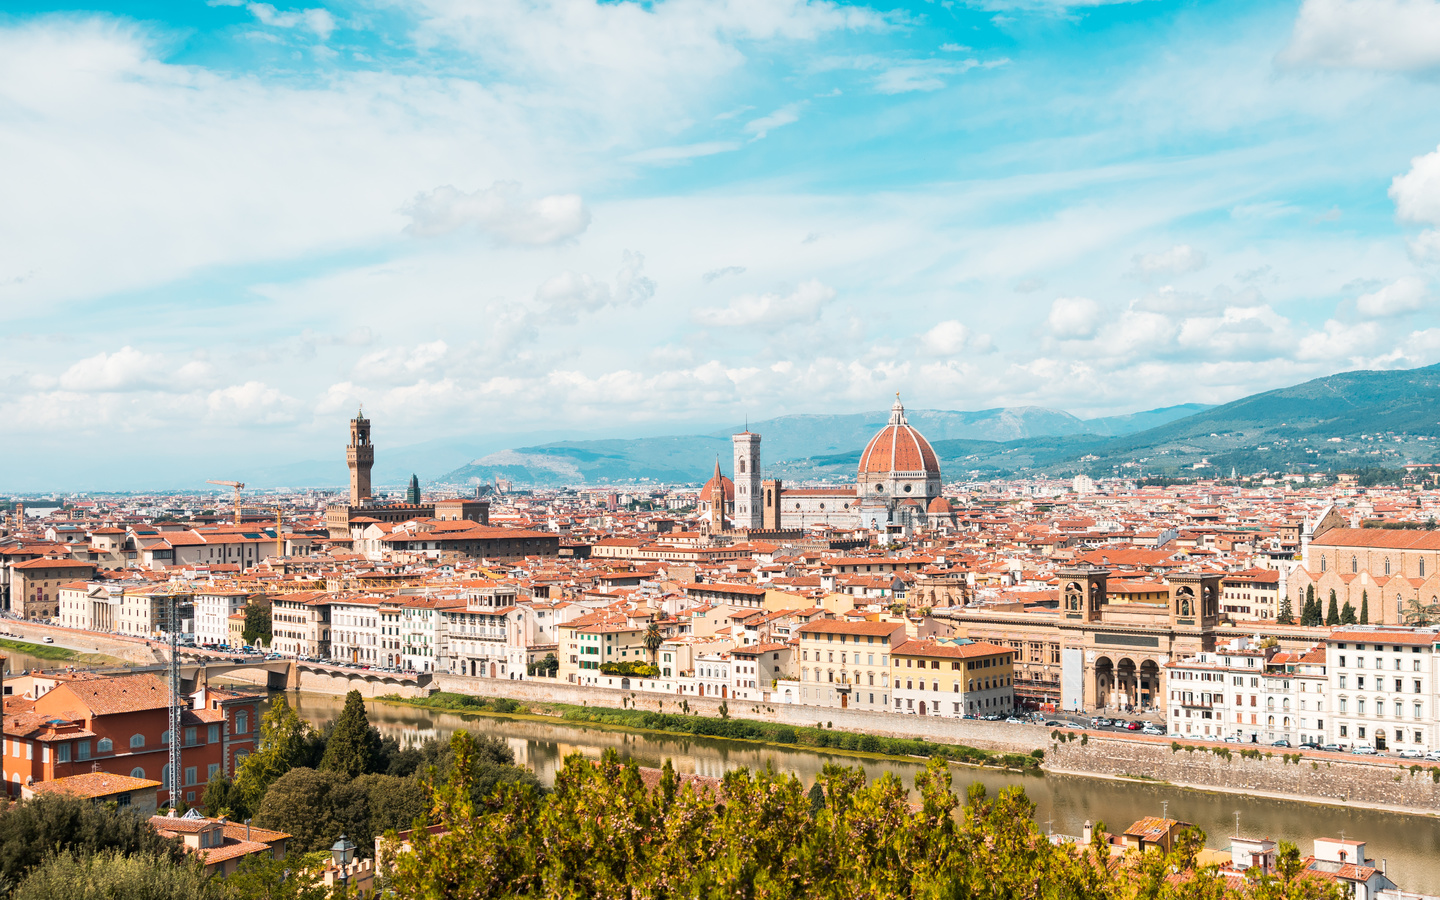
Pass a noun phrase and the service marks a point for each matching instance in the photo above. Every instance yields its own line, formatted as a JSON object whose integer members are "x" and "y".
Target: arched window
{"x": 1271, "y": 721}
{"x": 137, "y": 741}
{"x": 105, "y": 745}
{"x": 1354, "y": 564}
{"x": 165, "y": 777}
{"x": 137, "y": 772}
{"x": 1270, "y": 704}
{"x": 1322, "y": 563}
{"x": 1387, "y": 565}
{"x": 1422, "y": 568}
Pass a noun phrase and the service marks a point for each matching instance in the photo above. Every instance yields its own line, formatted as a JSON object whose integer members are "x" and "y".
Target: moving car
{"x": 48, "y": 639}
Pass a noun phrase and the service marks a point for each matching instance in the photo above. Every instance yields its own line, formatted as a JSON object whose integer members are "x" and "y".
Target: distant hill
{"x": 797, "y": 446}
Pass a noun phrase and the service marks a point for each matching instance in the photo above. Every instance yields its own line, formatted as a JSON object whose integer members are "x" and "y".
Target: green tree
{"x": 1286, "y": 615}
{"x": 1419, "y": 614}
{"x": 56, "y": 822}
{"x": 1347, "y": 614}
{"x": 1332, "y": 617}
{"x": 1310, "y": 615}
{"x": 352, "y": 747}
{"x": 653, "y": 641}
{"x": 1364, "y": 607}
{"x": 300, "y": 804}
{"x": 112, "y": 875}
{"x": 296, "y": 877}
{"x": 286, "y": 741}
{"x": 216, "y": 800}
{"x": 257, "y": 623}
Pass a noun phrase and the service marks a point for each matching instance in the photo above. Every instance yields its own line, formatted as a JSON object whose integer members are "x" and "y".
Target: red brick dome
{"x": 940, "y": 506}
{"x": 708, "y": 490}
{"x": 898, "y": 448}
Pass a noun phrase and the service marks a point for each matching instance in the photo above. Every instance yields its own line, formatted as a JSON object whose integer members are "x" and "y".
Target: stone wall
{"x": 969, "y": 732}
{"x": 1321, "y": 777}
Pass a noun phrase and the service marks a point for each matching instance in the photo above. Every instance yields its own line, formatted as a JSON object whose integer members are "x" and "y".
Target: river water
{"x": 1409, "y": 843}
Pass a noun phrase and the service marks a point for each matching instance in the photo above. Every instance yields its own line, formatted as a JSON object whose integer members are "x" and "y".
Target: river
{"x": 1410, "y": 844}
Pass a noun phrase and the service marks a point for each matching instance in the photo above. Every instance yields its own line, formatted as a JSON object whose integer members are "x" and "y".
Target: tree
{"x": 1364, "y": 607}
{"x": 1286, "y": 615}
{"x": 1310, "y": 615}
{"x": 112, "y": 874}
{"x": 1347, "y": 614}
{"x": 216, "y": 799}
{"x": 50, "y": 823}
{"x": 653, "y": 641}
{"x": 296, "y": 877}
{"x": 1332, "y": 617}
{"x": 286, "y": 741}
{"x": 300, "y": 804}
{"x": 352, "y": 748}
{"x": 1421, "y": 615}
{"x": 257, "y": 623}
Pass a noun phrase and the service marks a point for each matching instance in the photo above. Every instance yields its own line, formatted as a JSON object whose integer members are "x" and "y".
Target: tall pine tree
{"x": 1364, "y": 607}
{"x": 1332, "y": 616}
{"x": 1347, "y": 614}
{"x": 1286, "y": 615}
{"x": 353, "y": 747}
{"x": 1310, "y": 615}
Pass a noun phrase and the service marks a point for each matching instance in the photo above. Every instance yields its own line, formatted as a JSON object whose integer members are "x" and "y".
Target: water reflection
{"x": 1410, "y": 843}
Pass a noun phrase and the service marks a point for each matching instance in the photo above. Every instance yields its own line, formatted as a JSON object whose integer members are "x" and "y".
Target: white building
{"x": 355, "y": 629}
{"x": 1295, "y": 697}
{"x": 1382, "y": 679}
{"x": 1219, "y": 693}
{"x": 213, "y": 609}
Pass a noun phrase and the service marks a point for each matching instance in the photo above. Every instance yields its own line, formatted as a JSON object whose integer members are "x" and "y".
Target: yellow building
{"x": 845, "y": 665}
{"x": 586, "y": 645}
{"x": 953, "y": 679}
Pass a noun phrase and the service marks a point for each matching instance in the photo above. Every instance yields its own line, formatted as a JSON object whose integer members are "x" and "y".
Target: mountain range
{"x": 1351, "y": 420}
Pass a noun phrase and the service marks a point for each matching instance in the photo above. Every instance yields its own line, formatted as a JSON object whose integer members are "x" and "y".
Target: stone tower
{"x": 748, "y": 508}
{"x": 360, "y": 456}
{"x": 770, "y": 504}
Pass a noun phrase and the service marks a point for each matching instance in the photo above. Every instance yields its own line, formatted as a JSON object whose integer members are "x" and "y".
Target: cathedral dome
{"x": 898, "y": 449}
{"x": 708, "y": 490}
{"x": 940, "y": 506}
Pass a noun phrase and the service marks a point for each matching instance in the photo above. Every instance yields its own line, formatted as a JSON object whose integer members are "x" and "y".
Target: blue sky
{"x": 225, "y": 225}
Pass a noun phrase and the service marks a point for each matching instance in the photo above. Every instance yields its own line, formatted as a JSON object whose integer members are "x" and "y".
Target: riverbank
{"x": 727, "y": 728}
{"x": 52, "y": 653}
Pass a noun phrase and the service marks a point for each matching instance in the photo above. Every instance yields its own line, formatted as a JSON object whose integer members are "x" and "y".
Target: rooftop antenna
{"x": 1164, "y": 809}
{"x": 1237, "y": 823}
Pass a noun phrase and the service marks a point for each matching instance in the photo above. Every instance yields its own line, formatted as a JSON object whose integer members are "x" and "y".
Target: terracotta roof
{"x": 948, "y": 650}
{"x": 1381, "y": 538}
{"x": 93, "y": 784}
{"x": 837, "y": 626}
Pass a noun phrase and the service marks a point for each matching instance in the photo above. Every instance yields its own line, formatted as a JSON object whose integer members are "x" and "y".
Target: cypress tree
{"x": 1309, "y": 616}
{"x": 1364, "y": 607}
{"x": 1347, "y": 614}
{"x": 353, "y": 746}
{"x": 1286, "y": 615}
{"x": 1332, "y": 616}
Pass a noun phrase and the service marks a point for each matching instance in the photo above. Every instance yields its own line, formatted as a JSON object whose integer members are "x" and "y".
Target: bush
{"x": 869, "y": 743}
{"x": 785, "y": 735}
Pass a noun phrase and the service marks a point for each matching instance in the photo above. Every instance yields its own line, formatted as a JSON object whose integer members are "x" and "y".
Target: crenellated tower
{"x": 360, "y": 456}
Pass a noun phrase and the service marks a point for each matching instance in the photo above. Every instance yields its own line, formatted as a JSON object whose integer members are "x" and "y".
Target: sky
{"x": 225, "y": 226}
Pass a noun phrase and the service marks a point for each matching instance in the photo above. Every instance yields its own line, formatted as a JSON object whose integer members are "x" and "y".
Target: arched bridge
{"x": 285, "y": 674}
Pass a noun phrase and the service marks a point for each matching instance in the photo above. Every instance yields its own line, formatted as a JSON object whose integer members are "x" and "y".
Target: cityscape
{"x": 647, "y": 449}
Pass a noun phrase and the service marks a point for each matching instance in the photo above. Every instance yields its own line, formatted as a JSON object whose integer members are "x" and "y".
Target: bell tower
{"x": 360, "y": 456}
{"x": 1083, "y": 592}
{"x": 748, "y": 506}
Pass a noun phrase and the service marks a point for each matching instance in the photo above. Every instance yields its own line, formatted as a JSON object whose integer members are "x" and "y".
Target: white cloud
{"x": 1417, "y": 192}
{"x": 950, "y": 337}
{"x": 318, "y": 21}
{"x": 723, "y": 271}
{"x": 1073, "y": 317}
{"x": 804, "y": 302}
{"x": 251, "y": 403}
{"x": 762, "y": 126}
{"x": 499, "y": 211}
{"x": 400, "y": 364}
{"x": 127, "y": 369}
{"x": 568, "y": 293}
{"x": 673, "y": 155}
{"x": 1405, "y": 295}
{"x": 1178, "y": 260}
{"x": 1401, "y": 35}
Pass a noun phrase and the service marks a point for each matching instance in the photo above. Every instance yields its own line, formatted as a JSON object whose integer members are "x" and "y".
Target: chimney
{"x": 247, "y": 829}
{"x": 1085, "y": 833}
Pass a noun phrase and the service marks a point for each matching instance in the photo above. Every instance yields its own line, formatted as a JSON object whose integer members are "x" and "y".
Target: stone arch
{"x": 1104, "y": 680}
{"x": 1149, "y": 689}
{"x": 1074, "y": 596}
{"x": 1185, "y": 601}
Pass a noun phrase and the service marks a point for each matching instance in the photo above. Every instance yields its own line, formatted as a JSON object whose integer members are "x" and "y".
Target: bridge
{"x": 285, "y": 674}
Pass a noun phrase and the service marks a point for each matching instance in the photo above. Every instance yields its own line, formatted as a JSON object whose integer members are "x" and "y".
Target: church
{"x": 897, "y": 489}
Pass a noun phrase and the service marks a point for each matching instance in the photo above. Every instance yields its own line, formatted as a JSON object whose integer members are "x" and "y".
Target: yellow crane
{"x": 238, "y": 486}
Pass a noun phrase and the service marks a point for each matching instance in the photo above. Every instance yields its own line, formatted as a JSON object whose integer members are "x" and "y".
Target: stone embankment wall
{"x": 130, "y": 649}
{"x": 969, "y": 732}
{"x": 1321, "y": 777}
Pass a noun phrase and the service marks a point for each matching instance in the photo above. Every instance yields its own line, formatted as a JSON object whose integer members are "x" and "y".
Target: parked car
{"x": 1056, "y": 723}
{"x": 1016, "y": 720}
{"x": 1433, "y": 756}
{"x": 1153, "y": 730}
{"x": 1233, "y": 739}
{"x": 1309, "y": 745}
{"x": 1331, "y": 748}
{"x": 1363, "y": 750}
{"x": 48, "y": 639}
{"x": 1133, "y": 726}
{"x": 1281, "y": 743}
{"x": 1411, "y": 754}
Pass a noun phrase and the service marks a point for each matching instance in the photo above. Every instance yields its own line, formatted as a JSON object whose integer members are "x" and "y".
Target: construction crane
{"x": 238, "y": 486}
{"x": 279, "y": 540}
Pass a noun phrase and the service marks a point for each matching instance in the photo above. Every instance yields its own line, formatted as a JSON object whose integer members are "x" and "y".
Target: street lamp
{"x": 343, "y": 851}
